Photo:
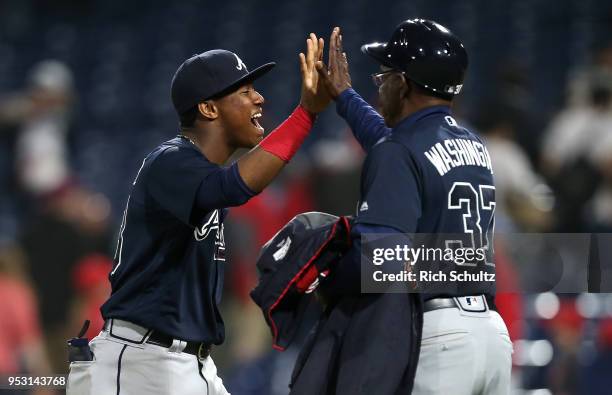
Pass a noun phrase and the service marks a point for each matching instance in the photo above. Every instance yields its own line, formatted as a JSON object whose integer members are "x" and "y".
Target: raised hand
{"x": 314, "y": 96}
{"x": 336, "y": 77}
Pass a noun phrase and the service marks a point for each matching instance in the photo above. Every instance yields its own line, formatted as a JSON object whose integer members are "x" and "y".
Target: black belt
{"x": 199, "y": 349}
{"x": 447, "y": 303}
{"x": 439, "y": 303}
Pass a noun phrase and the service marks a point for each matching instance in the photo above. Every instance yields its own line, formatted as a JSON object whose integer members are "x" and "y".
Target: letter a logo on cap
{"x": 240, "y": 63}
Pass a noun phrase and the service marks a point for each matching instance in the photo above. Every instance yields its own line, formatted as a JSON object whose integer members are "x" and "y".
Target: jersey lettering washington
{"x": 452, "y": 153}
{"x": 431, "y": 178}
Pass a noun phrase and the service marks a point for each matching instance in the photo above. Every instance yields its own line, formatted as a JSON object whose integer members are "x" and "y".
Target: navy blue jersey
{"x": 427, "y": 175}
{"x": 170, "y": 258}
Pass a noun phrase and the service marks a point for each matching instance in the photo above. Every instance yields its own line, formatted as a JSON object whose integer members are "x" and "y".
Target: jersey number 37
{"x": 476, "y": 205}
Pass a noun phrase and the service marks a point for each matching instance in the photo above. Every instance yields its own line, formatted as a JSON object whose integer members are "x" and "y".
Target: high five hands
{"x": 314, "y": 95}
{"x": 336, "y": 77}
{"x": 321, "y": 83}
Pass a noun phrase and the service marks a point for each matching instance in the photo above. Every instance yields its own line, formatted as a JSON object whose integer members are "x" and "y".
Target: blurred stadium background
{"x": 84, "y": 95}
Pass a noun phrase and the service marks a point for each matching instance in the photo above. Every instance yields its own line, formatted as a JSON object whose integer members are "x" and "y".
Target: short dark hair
{"x": 188, "y": 118}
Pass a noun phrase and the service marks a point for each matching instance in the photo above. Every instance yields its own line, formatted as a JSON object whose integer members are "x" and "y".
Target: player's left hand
{"x": 315, "y": 97}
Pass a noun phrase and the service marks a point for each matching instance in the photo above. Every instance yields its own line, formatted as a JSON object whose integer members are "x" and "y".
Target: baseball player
{"x": 162, "y": 316}
{"x": 425, "y": 173}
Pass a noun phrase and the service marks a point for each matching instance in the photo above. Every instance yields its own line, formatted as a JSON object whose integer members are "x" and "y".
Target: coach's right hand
{"x": 336, "y": 78}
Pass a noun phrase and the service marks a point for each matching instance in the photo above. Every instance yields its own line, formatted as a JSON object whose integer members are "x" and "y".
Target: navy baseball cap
{"x": 211, "y": 74}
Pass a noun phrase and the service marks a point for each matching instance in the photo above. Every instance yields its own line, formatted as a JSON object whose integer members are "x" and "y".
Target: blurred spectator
{"x": 63, "y": 221}
{"x": 90, "y": 281}
{"x": 21, "y": 342}
{"x": 70, "y": 224}
{"x": 580, "y": 85}
{"x": 42, "y": 114}
{"x": 576, "y": 155}
{"x": 576, "y": 132}
{"x": 523, "y": 200}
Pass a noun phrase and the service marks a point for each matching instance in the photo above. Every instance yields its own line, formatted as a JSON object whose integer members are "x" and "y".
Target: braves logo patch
{"x": 241, "y": 64}
{"x": 213, "y": 224}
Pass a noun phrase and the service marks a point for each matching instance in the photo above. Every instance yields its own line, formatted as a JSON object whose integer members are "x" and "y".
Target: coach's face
{"x": 240, "y": 113}
{"x": 391, "y": 92}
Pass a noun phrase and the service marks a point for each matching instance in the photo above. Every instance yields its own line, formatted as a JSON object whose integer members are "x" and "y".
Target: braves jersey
{"x": 170, "y": 258}
{"x": 428, "y": 175}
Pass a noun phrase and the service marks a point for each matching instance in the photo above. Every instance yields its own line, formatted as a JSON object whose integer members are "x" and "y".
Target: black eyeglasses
{"x": 379, "y": 78}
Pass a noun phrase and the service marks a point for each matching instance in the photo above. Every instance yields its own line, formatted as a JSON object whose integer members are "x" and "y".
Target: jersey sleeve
{"x": 367, "y": 125}
{"x": 223, "y": 187}
{"x": 188, "y": 186}
{"x": 390, "y": 190}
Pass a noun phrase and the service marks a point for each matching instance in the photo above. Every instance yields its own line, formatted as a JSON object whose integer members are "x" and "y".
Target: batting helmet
{"x": 427, "y": 52}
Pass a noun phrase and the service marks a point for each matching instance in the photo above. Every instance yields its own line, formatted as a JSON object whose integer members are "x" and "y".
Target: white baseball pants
{"x": 127, "y": 368}
{"x": 464, "y": 353}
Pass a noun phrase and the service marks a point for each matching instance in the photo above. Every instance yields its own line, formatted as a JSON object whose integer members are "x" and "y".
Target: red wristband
{"x": 286, "y": 139}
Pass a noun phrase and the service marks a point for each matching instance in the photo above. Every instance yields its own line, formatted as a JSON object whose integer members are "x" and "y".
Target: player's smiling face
{"x": 241, "y": 113}
{"x": 390, "y": 95}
